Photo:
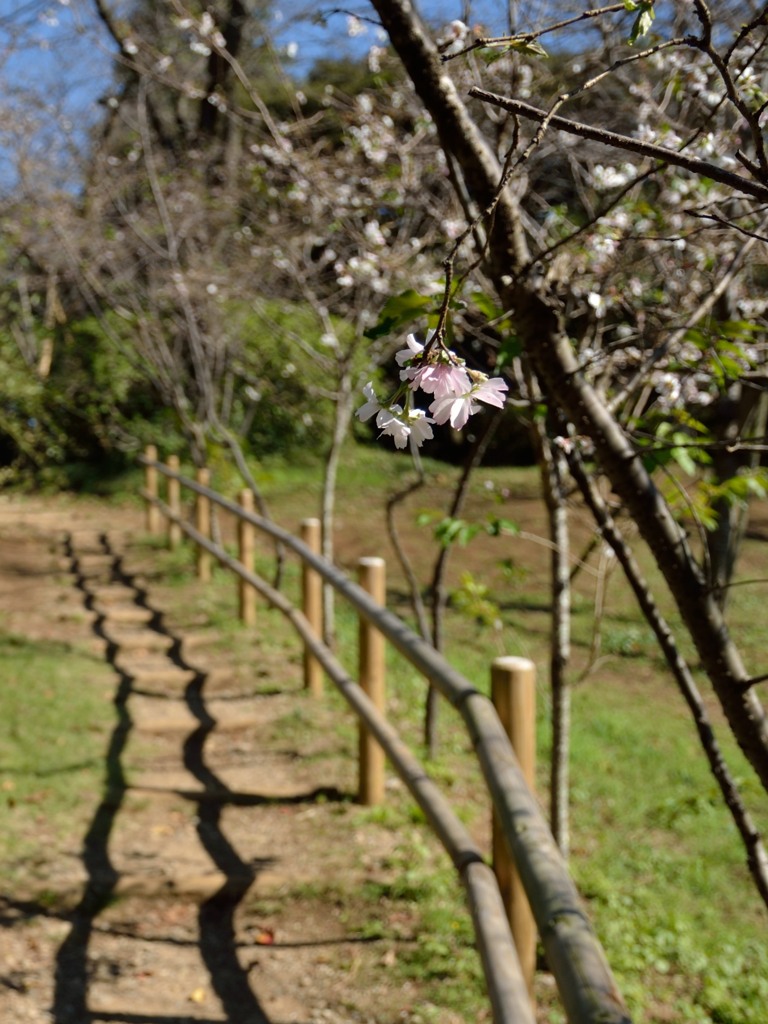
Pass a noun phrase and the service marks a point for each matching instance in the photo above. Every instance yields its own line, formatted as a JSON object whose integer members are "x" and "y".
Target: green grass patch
{"x": 56, "y": 714}
{"x": 654, "y": 852}
{"x": 659, "y": 860}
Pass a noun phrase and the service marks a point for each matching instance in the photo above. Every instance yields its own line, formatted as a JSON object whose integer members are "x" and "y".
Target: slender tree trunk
{"x": 219, "y": 71}
{"x": 550, "y": 465}
{"x": 342, "y": 417}
{"x": 417, "y": 601}
{"x": 437, "y": 587}
{"x": 538, "y": 316}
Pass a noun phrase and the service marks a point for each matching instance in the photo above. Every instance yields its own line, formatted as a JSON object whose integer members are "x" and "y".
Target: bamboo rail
{"x": 587, "y": 989}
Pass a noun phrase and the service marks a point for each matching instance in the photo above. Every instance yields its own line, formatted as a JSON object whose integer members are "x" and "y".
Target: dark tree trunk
{"x": 741, "y": 414}
{"x": 538, "y": 319}
{"x": 219, "y": 70}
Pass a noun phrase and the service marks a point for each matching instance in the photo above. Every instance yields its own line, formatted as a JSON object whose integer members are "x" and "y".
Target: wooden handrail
{"x": 587, "y": 989}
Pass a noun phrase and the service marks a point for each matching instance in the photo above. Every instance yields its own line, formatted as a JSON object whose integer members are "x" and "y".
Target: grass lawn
{"x": 653, "y": 851}
{"x": 56, "y": 713}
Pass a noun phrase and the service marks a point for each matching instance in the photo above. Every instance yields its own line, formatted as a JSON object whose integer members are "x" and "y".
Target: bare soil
{"x": 213, "y": 874}
{"x": 205, "y": 880}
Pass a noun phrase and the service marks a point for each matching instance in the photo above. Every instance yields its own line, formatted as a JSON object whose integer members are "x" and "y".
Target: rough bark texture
{"x": 219, "y": 68}
{"x": 539, "y": 325}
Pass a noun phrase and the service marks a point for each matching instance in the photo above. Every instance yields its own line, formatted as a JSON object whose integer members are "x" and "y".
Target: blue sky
{"x": 56, "y": 60}
{"x": 52, "y": 71}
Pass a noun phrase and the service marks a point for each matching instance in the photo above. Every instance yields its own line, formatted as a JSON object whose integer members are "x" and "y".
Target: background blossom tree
{"x": 242, "y": 237}
{"x": 556, "y": 287}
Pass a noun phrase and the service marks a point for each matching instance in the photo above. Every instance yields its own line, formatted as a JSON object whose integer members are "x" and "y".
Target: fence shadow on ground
{"x": 217, "y": 939}
{"x": 71, "y": 976}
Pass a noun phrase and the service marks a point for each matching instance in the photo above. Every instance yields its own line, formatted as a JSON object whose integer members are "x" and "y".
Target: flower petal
{"x": 371, "y": 406}
{"x": 414, "y": 348}
{"x": 492, "y": 391}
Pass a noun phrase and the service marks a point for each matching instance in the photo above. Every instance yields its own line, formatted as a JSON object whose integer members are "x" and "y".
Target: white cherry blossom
{"x": 371, "y": 406}
{"x": 414, "y": 348}
{"x": 420, "y": 424}
{"x": 391, "y": 422}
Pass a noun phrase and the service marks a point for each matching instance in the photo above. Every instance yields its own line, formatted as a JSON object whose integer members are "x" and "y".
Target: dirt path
{"x": 197, "y": 890}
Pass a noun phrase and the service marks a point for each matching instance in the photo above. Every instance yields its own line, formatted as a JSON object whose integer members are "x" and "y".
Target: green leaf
{"x": 685, "y": 460}
{"x": 487, "y": 306}
{"x": 751, "y": 483}
{"x": 732, "y": 367}
{"x": 756, "y": 486}
{"x": 740, "y": 329}
{"x": 514, "y": 572}
{"x": 643, "y": 21}
{"x": 654, "y": 458}
{"x": 685, "y": 419}
{"x": 497, "y": 525}
{"x": 455, "y": 531}
{"x": 398, "y": 312}
{"x": 473, "y": 599}
{"x": 528, "y": 47}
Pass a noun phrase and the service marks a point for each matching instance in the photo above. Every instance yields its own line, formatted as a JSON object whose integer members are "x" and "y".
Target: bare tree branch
{"x": 625, "y": 142}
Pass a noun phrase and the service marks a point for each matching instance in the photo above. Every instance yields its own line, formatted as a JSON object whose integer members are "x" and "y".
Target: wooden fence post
{"x": 513, "y": 691}
{"x": 203, "y": 525}
{"x": 246, "y": 593}
{"x": 150, "y": 486}
{"x": 372, "y": 578}
{"x": 312, "y": 594}
{"x": 174, "y": 503}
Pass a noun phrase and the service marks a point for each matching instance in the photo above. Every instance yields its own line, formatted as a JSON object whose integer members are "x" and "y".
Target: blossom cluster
{"x": 437, "y": 371}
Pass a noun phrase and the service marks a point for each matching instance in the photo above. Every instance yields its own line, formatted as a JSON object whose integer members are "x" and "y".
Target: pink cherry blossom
{"x": 454, "y": 408}
{"x": 457, "y": 408}
{"x": 491, "y": 391}
{"x": 456, "y": 393}
{"x": 441, "y": 379}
